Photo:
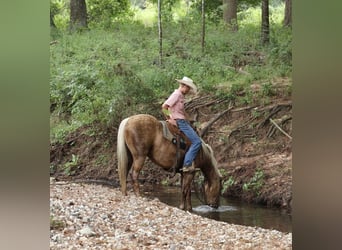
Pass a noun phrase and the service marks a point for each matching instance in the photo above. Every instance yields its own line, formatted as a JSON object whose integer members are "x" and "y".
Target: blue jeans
{"x": 196, "y": 142}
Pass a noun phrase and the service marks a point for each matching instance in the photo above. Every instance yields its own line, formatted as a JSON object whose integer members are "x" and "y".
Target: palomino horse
{"x": 142, "y": 135}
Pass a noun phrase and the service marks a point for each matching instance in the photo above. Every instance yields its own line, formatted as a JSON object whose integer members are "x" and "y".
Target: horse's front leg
{"x": 186, "y": 191}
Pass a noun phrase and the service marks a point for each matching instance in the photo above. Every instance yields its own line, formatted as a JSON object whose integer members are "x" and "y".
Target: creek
{"x": 230, "y": 210}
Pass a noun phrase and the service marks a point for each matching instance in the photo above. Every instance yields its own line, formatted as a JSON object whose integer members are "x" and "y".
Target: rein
{"x": 199, "y": 189}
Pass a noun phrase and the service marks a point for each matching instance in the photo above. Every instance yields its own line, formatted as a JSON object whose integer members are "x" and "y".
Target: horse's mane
{"x": 208, "y": 152}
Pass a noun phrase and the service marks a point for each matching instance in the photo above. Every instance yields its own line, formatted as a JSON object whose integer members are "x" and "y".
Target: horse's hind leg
{"x": 137, "y": 166}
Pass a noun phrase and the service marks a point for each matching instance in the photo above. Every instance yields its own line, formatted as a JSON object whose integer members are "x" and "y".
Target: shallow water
{"x": 208, "y": 209}
{"x": 230, "y": 210}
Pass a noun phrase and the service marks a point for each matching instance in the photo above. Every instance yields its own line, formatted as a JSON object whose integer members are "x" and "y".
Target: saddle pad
{"x": 166, "y": 131}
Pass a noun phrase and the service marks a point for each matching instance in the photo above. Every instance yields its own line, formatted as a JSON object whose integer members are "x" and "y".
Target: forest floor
{"x": 251, "y": 141}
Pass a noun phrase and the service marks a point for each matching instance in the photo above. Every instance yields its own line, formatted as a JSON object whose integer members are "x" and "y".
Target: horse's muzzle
{"x": 213, "y": 205}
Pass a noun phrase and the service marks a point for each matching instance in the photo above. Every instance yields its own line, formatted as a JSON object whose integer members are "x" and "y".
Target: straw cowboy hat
{"x": 188, "y": 82}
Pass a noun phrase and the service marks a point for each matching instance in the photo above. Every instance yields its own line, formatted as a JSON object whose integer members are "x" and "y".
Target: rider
{"x": 173, "y": 108}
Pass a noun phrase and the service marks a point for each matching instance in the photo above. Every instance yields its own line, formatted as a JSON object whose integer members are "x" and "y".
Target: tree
{"x": 203, "y": 26}
{"x": 160, "y": 30}
{"x": 265, "y": 23}
{"x": 230, "y": 13}
{"x": 288, "y": 13}
{"x": 78, "y": 14}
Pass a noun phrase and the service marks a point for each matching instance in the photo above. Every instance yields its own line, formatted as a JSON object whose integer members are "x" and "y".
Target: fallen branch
{"x": 280, "y": 129}
{"x": 275, "y": 108}
{"x": 272, "y": 113}
{"x": 243, "y": 108}
{"x": 279, "y": 104}
{"x": 210, "y": 123}
{"x": 241, "y": 126}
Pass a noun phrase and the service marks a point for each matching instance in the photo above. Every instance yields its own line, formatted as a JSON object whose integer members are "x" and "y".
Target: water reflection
{"x": 230, "y": 211}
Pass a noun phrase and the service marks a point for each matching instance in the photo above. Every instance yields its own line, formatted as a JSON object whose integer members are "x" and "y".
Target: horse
{"x": 141, "y": 136}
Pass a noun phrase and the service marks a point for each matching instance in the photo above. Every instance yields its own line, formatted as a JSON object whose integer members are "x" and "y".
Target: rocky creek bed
{"x": 89, "y": 216}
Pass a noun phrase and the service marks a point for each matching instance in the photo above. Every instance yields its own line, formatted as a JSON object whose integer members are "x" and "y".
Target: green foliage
{"x": 227, "y": 184}
{"x": 56, "y": 6}
{"x": 105, "y": 75}
{"x": 60, "y": 128}
{"x": 166, "y": 9}
{"x": 103, "y": 13}
{"x": 70, "y": 167}
{"x": 223, "y": 172}
{"x": 90, "y": 81}
{"x": 281, "y": 46}
{"x": 199, "y": 179}
{"x": 102, "y": 160}
{"x": 214, "y": 8}
{"x": 59, "y": 9}
{"x": 255, "y": 183}
{"x": 267, "y": 89}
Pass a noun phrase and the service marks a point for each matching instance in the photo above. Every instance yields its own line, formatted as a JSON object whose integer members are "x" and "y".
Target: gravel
{"x": 89, "y": 216}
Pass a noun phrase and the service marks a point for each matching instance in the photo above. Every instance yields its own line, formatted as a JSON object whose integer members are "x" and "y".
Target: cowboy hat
{"x": 188, "y": 82}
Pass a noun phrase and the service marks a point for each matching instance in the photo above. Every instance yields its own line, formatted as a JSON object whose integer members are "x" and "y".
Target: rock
{"x": 101, "y": 218}
{"x": 86, "y": 231}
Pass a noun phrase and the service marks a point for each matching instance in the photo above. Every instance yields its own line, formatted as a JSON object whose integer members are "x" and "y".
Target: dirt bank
{"x": 250, "y": 135}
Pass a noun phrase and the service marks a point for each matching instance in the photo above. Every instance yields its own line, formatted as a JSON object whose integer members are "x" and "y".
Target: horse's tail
{"x": 121, "y": 153}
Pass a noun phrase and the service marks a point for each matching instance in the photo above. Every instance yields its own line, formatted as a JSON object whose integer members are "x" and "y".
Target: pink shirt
{"x": 176, "y": 102}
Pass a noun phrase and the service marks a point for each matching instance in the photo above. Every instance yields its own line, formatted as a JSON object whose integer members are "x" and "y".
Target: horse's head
{"x": 212, "y": 193}
{"x": 212, "y": 182}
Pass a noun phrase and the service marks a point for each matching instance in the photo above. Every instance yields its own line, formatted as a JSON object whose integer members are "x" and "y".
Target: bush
{"x": 104, "y": 13}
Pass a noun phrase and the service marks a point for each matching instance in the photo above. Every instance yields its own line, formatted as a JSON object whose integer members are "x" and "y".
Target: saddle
{"x": 173, "y": 134}
{"x": 178, "y": 138}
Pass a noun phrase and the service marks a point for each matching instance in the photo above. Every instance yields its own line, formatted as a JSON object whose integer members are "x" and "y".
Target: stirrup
{"x": 186, "y": 169}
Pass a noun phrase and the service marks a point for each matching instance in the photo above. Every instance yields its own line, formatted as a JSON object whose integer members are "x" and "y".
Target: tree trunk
{"x": 203, "y": 26}
{"x": 160, "y": 34}
{"x": 78, "y": 14}
{"x": 288, "y": 13}
{"x": 265, "y": 23}
{"x": 230, "y": 13}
